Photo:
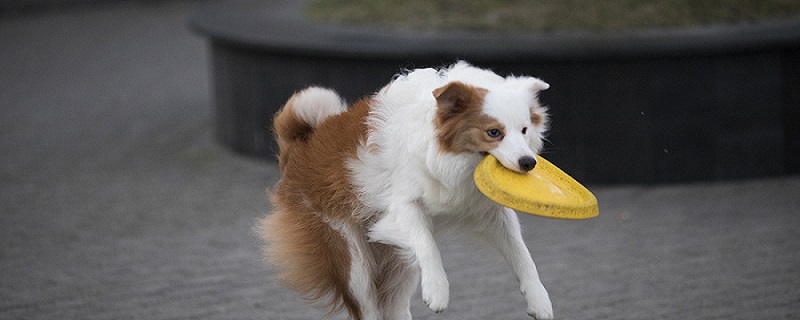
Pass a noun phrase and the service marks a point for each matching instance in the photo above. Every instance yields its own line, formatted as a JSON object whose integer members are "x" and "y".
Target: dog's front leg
{"x": 406, "y": 226}
{"x": 504, "y": 232}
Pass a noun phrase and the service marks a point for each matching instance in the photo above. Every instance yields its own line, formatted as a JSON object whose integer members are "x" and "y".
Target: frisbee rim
{"x": 583, "y": 205}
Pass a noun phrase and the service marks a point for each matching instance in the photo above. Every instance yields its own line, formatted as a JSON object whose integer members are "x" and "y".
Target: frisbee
{"x": 545, "y": 191}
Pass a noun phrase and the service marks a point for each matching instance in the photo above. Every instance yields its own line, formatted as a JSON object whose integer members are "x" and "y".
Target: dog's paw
{"x": 539, "y": 305}
{"x": 436, "y": 293}
{"x": 545, "y": 313}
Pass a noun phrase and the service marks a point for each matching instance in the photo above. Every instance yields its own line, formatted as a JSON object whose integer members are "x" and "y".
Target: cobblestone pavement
{"x": 115, "y": 203}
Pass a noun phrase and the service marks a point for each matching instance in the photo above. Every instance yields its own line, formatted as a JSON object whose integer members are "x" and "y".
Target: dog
{"x": 364, "y": 187}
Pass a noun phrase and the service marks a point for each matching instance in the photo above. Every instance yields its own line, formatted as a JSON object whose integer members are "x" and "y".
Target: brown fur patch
{"x": 317, "y": 166}
{"x": 314, "y": 190}
{"x": 536, "y": 119}
{"x": 288, "y": 128}
{"x": 460, "y": 122}
{"x": 312, "y": 258}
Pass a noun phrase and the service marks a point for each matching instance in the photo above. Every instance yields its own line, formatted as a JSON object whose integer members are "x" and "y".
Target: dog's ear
{"x": 534, "y": 85}
{"x": 538, "y": 85}
{"x": 456, "y": 97}
{"x": 538, "y": 112}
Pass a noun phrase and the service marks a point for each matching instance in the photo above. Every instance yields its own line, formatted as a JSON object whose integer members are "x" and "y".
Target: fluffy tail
{"x": 302, "y": 114}
{"x": 311, "y": 257}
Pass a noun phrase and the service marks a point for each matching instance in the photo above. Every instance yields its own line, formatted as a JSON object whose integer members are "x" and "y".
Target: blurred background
{"x": 120, "y": 197}
{"x": 645, "y": 91}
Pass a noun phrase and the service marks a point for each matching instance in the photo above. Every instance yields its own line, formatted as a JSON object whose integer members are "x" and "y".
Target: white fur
{"x": 360, "y": 269}
{"x": 412, "y": 187}
{"x": 315, "y": 104}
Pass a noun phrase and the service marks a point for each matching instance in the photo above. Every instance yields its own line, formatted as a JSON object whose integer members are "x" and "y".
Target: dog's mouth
{"x": 523, "y": 168}
{"x": 484, "y": 154}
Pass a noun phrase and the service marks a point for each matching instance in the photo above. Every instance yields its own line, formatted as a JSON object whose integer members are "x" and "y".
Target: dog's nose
{"x": 527, "y": 163}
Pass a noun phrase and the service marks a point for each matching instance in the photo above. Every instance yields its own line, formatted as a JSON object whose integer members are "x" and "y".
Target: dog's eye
{"x": 525, "y": 130}
{"x": 494, "y": 133}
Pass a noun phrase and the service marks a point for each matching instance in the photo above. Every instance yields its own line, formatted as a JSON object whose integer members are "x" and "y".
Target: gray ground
{"x": 115, "y": 203}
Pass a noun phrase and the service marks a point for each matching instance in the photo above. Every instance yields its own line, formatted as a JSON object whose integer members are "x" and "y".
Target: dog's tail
{"x": 302, "y": 114}
{"x": 310, "y": 255}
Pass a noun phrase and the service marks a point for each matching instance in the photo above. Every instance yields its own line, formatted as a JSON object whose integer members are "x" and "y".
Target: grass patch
{"x": 547, "y": 15}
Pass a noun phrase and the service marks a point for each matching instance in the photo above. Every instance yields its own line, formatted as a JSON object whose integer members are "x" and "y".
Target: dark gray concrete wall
{"x": 668, "y": 106}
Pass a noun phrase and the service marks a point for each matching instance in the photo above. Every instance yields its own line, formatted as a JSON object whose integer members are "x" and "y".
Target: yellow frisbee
{"x": 545, "y": 190}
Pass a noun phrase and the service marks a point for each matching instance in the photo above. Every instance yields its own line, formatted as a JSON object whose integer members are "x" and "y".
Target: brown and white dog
{"x": 364, "y": 188}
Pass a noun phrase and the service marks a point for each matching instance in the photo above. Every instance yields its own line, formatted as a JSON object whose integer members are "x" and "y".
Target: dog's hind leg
{"x": 362, "y": 270}
{"x": 396, "y": 282}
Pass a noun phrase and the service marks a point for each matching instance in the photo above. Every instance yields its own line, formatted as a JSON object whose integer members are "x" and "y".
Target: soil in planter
{"x": 548, "y": 15}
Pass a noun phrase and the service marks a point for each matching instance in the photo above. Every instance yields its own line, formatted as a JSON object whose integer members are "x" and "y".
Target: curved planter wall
{"x": 646, "y": 107}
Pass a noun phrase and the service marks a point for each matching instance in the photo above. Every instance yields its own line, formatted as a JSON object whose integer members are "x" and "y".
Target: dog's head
{"x": 504, "y": 120}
